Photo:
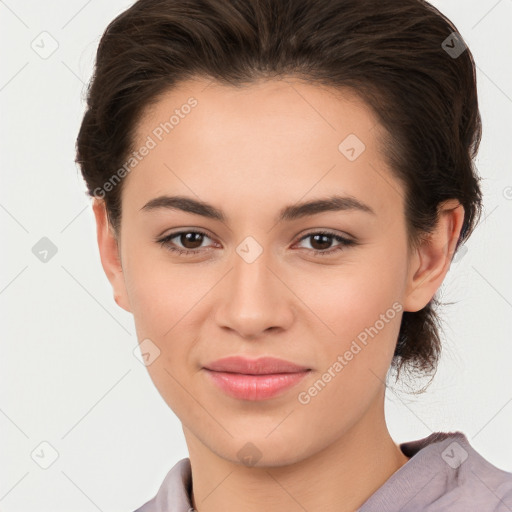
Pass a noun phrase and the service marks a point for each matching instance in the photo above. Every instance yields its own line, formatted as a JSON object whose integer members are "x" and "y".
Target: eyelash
{"x": 344, "y": 243}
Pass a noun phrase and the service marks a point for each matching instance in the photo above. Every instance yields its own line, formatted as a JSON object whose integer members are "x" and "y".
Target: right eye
{"x": 192, "y": 237}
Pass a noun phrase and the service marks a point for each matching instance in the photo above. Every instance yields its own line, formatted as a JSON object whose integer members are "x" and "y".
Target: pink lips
{"x": 254, "y": 379}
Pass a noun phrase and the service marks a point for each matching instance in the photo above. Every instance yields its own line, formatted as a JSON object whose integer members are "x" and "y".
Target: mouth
{"x": 261, "y": 366}
{"x": 256, "y": 379}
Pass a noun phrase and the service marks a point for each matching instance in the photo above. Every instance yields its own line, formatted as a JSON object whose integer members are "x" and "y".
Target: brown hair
{"x": 397, "y": 55}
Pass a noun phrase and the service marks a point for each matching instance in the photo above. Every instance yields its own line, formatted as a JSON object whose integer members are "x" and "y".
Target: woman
{"x": 279, "y": 188}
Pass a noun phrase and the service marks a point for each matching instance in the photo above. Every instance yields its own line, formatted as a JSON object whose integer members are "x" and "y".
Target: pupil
{"x": 188, "y": 238}
{"x": 323, "y": 244}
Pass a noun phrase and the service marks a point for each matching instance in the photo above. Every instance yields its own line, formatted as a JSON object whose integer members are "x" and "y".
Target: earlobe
{"x": 432, "y": 259}
{"x": 110, "y": 254}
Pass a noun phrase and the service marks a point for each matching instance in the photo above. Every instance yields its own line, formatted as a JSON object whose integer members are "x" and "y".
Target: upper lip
{"x": 261, "y": 366}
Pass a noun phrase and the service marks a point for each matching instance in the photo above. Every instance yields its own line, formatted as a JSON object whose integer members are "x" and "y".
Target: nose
{"x": 255, "y": 298}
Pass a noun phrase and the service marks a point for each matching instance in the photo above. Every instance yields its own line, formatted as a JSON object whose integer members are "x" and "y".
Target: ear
{"x": 109, "y": 254}
{"x": 431, "y": 261}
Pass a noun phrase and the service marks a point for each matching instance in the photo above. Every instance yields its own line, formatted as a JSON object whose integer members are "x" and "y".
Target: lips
{"x": 261, "y": 366}
{"x": 254, "y": 379}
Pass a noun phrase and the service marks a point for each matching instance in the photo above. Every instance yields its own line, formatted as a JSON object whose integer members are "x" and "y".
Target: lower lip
{"x": 255, "y": 387}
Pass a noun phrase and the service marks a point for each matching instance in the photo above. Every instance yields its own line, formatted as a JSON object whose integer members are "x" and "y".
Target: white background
{"x": 69, "y": 376}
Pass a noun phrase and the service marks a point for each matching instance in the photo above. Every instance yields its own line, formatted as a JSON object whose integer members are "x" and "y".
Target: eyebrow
{"x": 331, "y": 204}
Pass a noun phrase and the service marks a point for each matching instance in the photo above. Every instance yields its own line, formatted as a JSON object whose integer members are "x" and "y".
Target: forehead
{"x": 260, "y": 105}
{"x": 286, "y": 134}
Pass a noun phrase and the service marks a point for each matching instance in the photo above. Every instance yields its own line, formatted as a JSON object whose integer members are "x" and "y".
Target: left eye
{"x": 325, "y": 238}
{"x": 196, "y": 238}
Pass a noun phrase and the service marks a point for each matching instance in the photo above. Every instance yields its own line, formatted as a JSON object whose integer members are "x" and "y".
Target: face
{"x": 323, "y": 287}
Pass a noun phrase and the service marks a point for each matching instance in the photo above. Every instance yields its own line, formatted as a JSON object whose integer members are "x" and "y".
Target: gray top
{"x": 444, "y": 473}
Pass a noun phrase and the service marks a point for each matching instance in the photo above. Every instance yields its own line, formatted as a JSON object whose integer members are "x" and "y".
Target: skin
{"x": 251, "y": 152}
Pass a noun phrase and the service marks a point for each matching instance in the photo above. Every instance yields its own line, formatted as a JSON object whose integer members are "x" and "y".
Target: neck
{"x": 339, "y": 478}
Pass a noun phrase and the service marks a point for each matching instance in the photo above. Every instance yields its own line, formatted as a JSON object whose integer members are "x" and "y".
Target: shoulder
{"x": 470, "y": 481}
{"x": 444, "y": 473}
{"x": 487, "y": 485}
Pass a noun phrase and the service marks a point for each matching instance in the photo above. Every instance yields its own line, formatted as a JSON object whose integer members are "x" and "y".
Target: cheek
{"x": 361, "y": 305}
{"x": 162, "y": 303}
{"x": 159, "y": 291}
{"x": 355, "y": 361}
{"x": 351, "y": 298}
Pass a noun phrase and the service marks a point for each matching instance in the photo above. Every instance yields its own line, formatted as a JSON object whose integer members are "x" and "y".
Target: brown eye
{"x": 187, "y": 242}
{"x": 191, "y": 240}
{"x": 321, "y": 243}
